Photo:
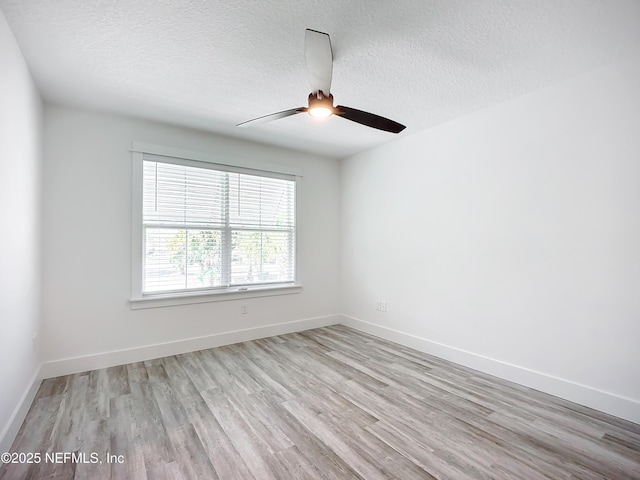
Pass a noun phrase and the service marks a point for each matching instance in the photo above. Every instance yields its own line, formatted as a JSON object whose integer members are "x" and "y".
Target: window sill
{"x": 169, "y": 300}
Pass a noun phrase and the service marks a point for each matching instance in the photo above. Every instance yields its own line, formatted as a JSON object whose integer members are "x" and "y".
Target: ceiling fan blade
{"x": 273, "y": 116}
{"x": 319, "y": 60}
{"x": 369, "y": 119}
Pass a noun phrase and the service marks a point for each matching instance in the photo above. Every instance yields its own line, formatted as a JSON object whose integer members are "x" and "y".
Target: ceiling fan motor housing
{"x": 320, "y": 100}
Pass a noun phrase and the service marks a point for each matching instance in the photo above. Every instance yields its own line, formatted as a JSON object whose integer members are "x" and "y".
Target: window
{"x": 207, "y": 228}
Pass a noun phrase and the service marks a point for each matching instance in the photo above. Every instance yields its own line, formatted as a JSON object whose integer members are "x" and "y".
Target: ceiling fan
{"x": 320, "y": 68}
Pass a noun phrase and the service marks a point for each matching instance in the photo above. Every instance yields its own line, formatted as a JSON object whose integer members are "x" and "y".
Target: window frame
{"x": 138, "y": 299}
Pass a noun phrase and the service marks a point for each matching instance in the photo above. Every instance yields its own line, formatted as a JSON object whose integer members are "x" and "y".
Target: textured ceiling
{"x": 210, "y": 65}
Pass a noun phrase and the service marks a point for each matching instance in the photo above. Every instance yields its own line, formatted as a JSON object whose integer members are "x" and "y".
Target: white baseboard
{"x": 68, "y": 366}
{"x": 616, "y": 405}
{"x": 10, "y": 430}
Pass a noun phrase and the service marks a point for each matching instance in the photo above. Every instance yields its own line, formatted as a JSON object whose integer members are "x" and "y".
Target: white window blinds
{"x": 211, "y": 227}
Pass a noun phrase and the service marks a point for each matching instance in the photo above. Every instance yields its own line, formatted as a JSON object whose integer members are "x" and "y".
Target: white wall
{"x": 513, "y": 234}
{"x": 20, "y": 169}
{"x": 87, "y": 216}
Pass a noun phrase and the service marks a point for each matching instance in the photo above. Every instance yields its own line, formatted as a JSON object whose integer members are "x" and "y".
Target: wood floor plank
{"x": 422, "y": 455}
{"x": 191, "y": 456}
{"x": 329, "y": 437}
{"x": 118, "y": 381}
{"x": 196, "y": 371}
{"x": 41, "y": 416}
{"x": 125, "y": 440}
{"x": 222, "y": 453}
{"x": 137, "y": 372}
{"x": 252, "y": 450}
{"x": 330, "y": 403}
{"x": 297, "y": 465}
{"x": 154, "y": 371}
{"x": 226, "y": 361}
{"x": 177, "y": 377}
{"x": 253, "y": 412}
{"x": 260, "y": 373}
{"x": 165, "y": 471}
{"x": 147, "y": 417}
{"x": 171, "y": 410}
{"x": 98, "y": 393}
{"x": 330, "y": 465}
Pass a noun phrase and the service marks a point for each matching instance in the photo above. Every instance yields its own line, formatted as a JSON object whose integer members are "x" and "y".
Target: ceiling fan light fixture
{"x": 320, "y": 112}
{"x": 320, "y": 106}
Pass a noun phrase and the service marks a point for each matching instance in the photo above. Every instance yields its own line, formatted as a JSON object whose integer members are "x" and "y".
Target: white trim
{"x": 238, "y": 293}
{"x": 607, "y": 402}
{"x": 213, "y": 158}
{"x": 68, "y": 366}
{"x": 11, "y": 429}
{"x": 136, "y": 225}
{"x": 299, "y": 228}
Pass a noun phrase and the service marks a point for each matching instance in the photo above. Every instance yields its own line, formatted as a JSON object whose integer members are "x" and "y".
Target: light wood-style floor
{"x": 329, "y": 403}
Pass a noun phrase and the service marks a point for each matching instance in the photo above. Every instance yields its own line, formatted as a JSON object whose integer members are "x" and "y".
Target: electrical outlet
{"x": 244, "y": 309}
{"x": 381, "y": 305}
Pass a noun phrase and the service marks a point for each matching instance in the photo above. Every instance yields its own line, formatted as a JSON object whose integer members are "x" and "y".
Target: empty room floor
{"x": 328, "y": 403}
